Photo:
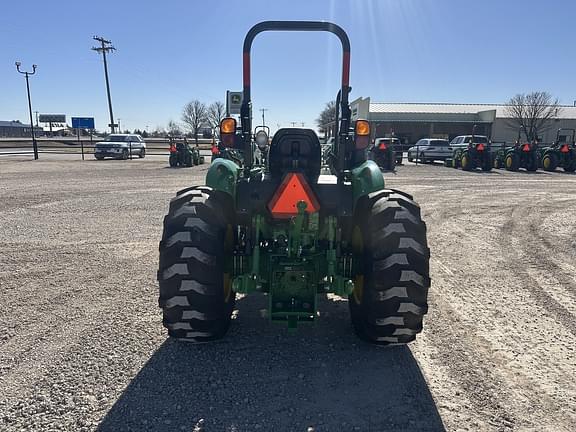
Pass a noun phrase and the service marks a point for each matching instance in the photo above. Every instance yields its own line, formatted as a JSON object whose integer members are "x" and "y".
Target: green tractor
{"x": 182, "y": 154}
{"x": 470, "y": 152}
{"x": 521, "y": 155}
{"x": 288, "y": 229}
{"x": 562, "y": 153}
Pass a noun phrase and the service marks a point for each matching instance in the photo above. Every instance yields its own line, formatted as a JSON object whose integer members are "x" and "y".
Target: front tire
{"x": 392, "y": 278}
{"x": 194, "y": 274}
{"x": 142, "y": 154}
{"x": 124, "y": 154}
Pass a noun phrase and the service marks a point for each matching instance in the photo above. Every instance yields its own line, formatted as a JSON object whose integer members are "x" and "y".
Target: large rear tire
{"x": 549, "y": 162}
{"x": 512, "y": 162}
{"x": 173, "y": 160}
{"x": 392, "y": 279}
{"x": 466, "y": 162}
{"x": 194, "y": 274}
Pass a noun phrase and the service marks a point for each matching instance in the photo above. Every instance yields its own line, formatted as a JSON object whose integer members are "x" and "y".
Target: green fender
{"x": 366, "y": 178}
{"x": 223, "y": 176}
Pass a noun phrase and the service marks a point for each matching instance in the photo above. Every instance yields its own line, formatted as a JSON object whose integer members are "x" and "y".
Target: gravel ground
{"x": 82, "y": 346}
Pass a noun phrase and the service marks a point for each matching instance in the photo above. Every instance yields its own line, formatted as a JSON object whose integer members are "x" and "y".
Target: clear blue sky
{"x": 172, "y": 51}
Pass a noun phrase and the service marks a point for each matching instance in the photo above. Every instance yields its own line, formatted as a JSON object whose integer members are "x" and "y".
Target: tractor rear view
{"x": 284, "y": 229}
{"x": 562, "y": 153}
{"x": 470, "y": 152}
{"x": 522, "y": 155}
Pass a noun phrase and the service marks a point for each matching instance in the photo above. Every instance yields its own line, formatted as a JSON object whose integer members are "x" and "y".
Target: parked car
{"x": 429, "y": 150}
{"x": 384, "y": 149}
{"x": 120, "y": 146}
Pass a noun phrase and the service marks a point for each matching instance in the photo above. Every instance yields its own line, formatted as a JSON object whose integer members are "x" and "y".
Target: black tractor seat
{"x": 295, "y": 150}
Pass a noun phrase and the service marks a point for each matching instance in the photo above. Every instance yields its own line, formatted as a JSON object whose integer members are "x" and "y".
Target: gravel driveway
{"x": 82, "y": 346}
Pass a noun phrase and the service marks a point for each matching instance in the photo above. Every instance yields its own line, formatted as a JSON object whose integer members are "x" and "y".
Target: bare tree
{"x": 216, "y": 112}
{"x": 327, "y": 117}
{"x": 532, "y": 113}
{"x": 174, "y": 128}
{"x": 194, "y": 115}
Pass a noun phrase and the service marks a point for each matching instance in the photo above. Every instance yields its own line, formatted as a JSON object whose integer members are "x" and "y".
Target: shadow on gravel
{"x": 260, "y": 377}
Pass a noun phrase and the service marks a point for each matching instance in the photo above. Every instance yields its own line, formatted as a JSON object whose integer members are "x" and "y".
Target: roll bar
{"x": 324, "y": 26}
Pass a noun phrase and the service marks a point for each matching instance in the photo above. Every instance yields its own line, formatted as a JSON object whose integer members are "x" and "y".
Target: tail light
{"x": 215, "y": 150}
{"x": 526, "y": 147}
{"x": 480, "y": 147}
{"x": 565, "y": 149}
{"x": 228, "y": 131}
{"x": 172, "y": 148}
{"x": 361, "y": 134}
{"x": 382, "y": 146}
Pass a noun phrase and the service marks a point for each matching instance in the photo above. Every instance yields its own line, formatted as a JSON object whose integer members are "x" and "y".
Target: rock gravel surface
{"x": 82, "y": 347}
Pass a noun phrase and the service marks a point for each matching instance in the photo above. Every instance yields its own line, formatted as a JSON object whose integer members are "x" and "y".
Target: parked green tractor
{"x": 182, "y": 154}
{"x": 562, "y": 153}
{"x": 470, "y": 152}
{"x": 284, "y": 229}
{"x": 521, "y": 155}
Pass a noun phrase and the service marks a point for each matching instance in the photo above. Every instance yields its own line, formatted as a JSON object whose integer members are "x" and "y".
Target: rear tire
{"x": 142, "y": 154}
{"x": 533, "y": 165}
{"x": 571, "y": 167}
{"x": 124, "y": 154}
{"x": 392, "y": 280}
{"x": 391, "y": 162}
{"x": 194, "y": 273}
{"x": 512, "y": 162}
{"x": 466, "y": 162}
{"x": 549, "y": 162}
{"x": 99, "y": 157}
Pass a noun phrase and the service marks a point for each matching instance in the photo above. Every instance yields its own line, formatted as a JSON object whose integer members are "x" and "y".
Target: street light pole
{"x": 27, "y": 74}
{"x": 105, "y": 47}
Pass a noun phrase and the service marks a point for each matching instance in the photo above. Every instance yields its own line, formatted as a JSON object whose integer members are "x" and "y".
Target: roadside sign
{"x": 83, "y": 122}
{"x": 52, "y": 118}
{"x": 234, "y": 102}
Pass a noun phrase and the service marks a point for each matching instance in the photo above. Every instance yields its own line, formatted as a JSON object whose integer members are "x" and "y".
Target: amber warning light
{"x": 227, "y": 131}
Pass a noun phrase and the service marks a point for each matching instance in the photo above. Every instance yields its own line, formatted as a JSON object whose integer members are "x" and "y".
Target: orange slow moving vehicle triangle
{"x": 294, "y": 188}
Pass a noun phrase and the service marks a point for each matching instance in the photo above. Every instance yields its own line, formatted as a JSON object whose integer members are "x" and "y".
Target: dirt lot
{"x": 82, "y": 346}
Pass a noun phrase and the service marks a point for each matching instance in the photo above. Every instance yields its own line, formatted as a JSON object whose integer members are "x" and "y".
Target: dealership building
{"x": 413, "y": 121}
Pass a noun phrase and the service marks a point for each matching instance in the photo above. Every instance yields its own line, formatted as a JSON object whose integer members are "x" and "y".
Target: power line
{"x": 104, "y": 48}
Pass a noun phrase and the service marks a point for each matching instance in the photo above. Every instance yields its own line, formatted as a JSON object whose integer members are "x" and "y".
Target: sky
{"x": 173, "y": 51}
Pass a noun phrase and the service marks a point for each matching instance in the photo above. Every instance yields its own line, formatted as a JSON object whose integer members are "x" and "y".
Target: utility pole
{"x": 104, "y": 48}
{"x": 263, "y": 110}
{"x": 302, "y": 123}
{"x": 27, "y": 74}
{"x": 36, "y": 112}
{"x": 293, "y": 124}
{"x": 119, "y": 128}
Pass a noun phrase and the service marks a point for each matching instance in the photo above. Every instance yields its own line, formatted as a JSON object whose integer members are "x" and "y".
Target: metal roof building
{"x": 14, "y": 128}
{"x": 413, "y": 121}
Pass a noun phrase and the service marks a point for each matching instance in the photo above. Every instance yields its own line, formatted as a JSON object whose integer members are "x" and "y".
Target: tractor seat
{"x": 295, "y": 150}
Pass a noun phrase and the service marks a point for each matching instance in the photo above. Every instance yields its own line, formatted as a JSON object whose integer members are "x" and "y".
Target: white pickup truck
{"x": 120, "y": 146}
